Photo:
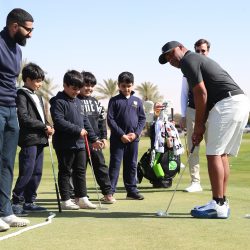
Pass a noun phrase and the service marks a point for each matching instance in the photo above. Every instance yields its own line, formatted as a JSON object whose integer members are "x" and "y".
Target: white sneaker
{"x": 69, "y": 205}
{"x": 14, "y": 221}
{"x": 85, "y": 204}
{"x": 201, "y": 207}
{"x": 212, "y": 210}
{"x": 194, "y": 187}
{"x": 3, "y": 226}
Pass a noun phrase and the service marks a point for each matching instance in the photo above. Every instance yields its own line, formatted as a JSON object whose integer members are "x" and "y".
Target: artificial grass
{"x": 133, "y": 224}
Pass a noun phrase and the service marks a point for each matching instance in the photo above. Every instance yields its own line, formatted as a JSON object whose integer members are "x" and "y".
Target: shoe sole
{"x": 34, "y": 211}
{"x": 136, "y": 199}
{"x": 212, "y": 214}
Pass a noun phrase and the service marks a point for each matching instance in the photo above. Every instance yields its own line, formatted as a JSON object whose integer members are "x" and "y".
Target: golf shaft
{"x": 177, "y": 185}
{"x": 54, "y": 175}
{"x": 92, "y": 169}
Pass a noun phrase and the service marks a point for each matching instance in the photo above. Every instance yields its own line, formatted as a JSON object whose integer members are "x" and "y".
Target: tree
{"x": 107, "y": 90}
{"x": 149, "y": 91}
{"x": 19, "y": 78}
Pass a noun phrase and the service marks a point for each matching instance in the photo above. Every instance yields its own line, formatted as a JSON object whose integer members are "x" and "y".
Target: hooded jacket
{"x": 32, "y": 128}
{"x": 69, "y": 119}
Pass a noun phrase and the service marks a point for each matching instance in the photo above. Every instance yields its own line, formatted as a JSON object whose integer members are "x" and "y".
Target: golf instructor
{"x": 18, "y": 28}
{"x": 220, "y": 102}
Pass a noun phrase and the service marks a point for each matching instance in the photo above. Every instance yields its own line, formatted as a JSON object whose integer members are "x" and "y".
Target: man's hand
{"x": 198, "y": 134}
{"x": 183, "y": 124}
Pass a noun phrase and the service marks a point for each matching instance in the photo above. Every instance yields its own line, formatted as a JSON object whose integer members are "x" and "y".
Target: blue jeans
{"x": 9, "y": 132}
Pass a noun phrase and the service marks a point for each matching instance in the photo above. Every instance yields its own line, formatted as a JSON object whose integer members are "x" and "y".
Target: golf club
{"x": 165, "y": 213}
{"x": 93, "y": 174}
{"x": 54, "y": 175}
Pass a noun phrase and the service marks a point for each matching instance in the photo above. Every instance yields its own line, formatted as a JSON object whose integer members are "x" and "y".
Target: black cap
{"x": 166, "y": 48}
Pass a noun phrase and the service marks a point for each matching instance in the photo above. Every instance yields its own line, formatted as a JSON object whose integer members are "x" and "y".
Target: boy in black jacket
{"x": 126, "y": 119}
{"x": 96, "y": 116}
{"x": 71, "y": 125}
{"x": 33, "y": 137}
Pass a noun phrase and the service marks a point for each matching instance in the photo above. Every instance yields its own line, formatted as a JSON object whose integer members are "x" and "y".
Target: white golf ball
{"x": 160, "y": 213}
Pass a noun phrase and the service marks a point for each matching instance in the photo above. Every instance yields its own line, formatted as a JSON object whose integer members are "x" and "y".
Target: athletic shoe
{"x": 18, "y": 210}
{"x": 32, "y": 207}
{"x": 3, "y": 226}
{"x": 134, "y": 196}
{"x": 194, "y": 187}
{"x": 85, "y": 204}
{"x": 69, "y": 205}
{"x": 200, "y": 207}
{"x": 14, "y": 221}
{"x": 211, "y": 210}
{"x": 108, "y": 199}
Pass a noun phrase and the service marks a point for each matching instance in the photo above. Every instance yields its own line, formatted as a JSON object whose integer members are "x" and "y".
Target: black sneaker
{"x": 32, "y": 207}
{"x": 18, "y": 210}
{"x": 134, "y": 196}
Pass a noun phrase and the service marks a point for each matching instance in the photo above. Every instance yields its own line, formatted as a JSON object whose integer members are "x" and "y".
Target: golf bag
{"x": 162, "y": 161}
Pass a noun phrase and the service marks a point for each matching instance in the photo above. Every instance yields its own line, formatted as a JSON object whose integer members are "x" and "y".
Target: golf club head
{"x": 162, "y": 214}
{"x": 247, "y": 216}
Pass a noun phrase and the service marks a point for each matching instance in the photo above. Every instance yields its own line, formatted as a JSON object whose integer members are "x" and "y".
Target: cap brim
{"x": 162, "y": 59}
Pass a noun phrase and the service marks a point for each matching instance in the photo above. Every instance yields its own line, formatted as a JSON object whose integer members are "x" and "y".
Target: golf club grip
{"x": 58, "y": 198}
{"x": 192, "y": 149}
{"x": 172, "y": 114}
{"x": 87, "y": 144}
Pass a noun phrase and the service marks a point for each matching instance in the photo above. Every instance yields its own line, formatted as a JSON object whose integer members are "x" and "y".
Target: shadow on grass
{"x": 109, "y": 215}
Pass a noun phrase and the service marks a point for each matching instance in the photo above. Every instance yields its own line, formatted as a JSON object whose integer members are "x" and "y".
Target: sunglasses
{"x": 29, "y": 30}
{"x": 200, "y": 51}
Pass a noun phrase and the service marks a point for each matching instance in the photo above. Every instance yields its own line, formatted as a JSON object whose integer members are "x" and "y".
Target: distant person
{"x": 96, "y": 115}
{"x": 19, "y": 27}
{"x": 33, "y": 137}
{"x": 202, "y": 47}
{"x": 126, "y": 119}
{"x": 71, "y": 125}
{"x": 221, "y": 103}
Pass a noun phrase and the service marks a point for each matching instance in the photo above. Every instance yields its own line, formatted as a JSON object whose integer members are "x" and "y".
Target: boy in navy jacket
{"x": 33, "y": 137}
{"x": 71, "y": 125}
{"x": 126, "y": 119}
{"x": 96, "y": 115}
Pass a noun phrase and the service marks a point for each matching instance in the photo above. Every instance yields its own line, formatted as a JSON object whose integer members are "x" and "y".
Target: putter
{"x": 100, "y": 207}
{"x": 54, "y": 175}
{"x": 165, "y": 213}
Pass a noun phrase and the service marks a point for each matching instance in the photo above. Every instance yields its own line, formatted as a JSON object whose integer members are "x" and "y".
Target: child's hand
{"x": 49, "y": 131}
{"x": 131, "y": 136}
{"x": 125, "y": 139}
{"x": 105, "y": 143}
{"x": 98, "y": 145}
{"x": 83, "y": 133}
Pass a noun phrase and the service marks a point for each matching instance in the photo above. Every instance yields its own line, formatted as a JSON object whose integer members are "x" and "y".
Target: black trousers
{"x": 101, "y": 171}
{"x": 71, "y": 163}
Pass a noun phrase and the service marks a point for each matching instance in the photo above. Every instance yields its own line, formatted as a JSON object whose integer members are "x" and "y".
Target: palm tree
{"x": 107, "y": 90}
{"x": 19, "y": 78}
{"x": 149, "y": 91}
{"x": 46, "y": 92}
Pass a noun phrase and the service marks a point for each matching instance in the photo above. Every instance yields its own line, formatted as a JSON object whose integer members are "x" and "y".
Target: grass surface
{"x": 133, "y": 224}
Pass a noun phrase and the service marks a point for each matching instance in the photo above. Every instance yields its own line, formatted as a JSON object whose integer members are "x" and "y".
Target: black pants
{"x": 101, "y": 171}
{"x": 30, "y": 174}
{"x": 71, "y": 162}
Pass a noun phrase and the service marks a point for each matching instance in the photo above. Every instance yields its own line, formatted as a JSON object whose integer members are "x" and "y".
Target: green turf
{"x": 133, "y": 224}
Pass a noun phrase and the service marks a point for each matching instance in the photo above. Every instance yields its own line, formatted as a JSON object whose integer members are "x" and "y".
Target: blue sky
{"x": 108, "y": 37}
